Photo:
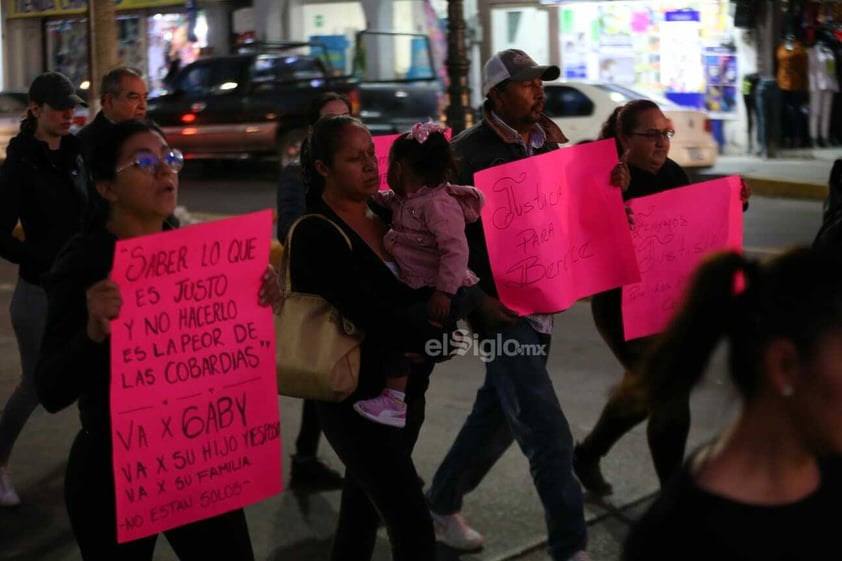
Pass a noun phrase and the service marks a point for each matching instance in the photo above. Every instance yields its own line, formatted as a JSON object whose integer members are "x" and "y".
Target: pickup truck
{"x": 247, "y": 105}
{"x": 397, "y": 80}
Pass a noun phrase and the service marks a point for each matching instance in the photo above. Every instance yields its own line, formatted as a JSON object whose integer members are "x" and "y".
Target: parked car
{"x": 13, "y": 106}
{"x": 580, "y": 108}
{"x": 249, "y": 104}
{"x": 398, "y": 90}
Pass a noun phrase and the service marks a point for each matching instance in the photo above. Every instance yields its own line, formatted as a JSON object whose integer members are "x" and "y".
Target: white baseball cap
{"x": 514, "y": 64}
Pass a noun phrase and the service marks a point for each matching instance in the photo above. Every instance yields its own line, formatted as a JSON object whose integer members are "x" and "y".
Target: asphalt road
{"x": 240, "y": 187}
{"x": 505, "y": 507}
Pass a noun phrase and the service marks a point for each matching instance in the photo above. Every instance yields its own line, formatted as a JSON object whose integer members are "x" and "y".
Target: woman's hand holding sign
{"x": 104, "y": 302}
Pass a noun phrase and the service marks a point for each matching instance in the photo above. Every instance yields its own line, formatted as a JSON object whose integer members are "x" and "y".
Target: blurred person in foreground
{"x": 44, "y": 186}
{"x": 769, "y": 487}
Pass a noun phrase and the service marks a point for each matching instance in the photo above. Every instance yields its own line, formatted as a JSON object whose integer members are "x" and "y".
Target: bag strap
{"x": 286, "y": 285}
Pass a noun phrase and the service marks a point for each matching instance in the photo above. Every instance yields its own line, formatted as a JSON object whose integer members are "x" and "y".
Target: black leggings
{"x": 89, "y": 495}
{"x": 307, "y": 442}
{"x": 668, "y": 425}
{"x": 380, "y": 483}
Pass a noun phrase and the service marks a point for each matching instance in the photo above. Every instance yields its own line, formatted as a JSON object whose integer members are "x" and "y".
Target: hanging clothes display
{"x": 793, "y": 83}
{"x": 823, "y": 84}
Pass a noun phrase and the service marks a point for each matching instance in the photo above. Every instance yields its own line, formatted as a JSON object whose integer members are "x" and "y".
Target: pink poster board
{"x": 556, "y": 230}
{"x": 673, "y": 232}
{"x": 194, "y": 401}
{"x": 382, "y": 145}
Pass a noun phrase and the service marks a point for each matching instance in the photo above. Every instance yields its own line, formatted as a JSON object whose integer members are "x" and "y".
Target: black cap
{"x": 56, "y": 90}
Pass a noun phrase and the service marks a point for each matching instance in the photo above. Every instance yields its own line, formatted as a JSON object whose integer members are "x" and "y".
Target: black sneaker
{"x": 589, "y": 474}
{"x": 309, "y": 473}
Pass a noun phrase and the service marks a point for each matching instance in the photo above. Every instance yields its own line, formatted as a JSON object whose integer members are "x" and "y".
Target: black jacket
{"x": 365, "y": 291}
{"x": 483, "y": 146}
{"x": 48, "y": 191}
{"x": 73, "y": 367}
{"x": 91, "y": 132}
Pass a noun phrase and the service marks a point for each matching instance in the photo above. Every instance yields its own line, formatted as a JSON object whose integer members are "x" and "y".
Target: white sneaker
{"x": 581, "y": 556}
{"x": 453, "y": 531}
{"x": 8, "y": 495}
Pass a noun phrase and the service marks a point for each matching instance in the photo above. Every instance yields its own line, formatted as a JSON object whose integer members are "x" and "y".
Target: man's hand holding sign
{"x": 556, "y": 229}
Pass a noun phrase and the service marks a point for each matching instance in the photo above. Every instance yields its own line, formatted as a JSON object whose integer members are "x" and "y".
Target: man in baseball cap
{"x": 513, "y": 127}
{"x": 56, "y": 90}
{"x": 514, "y": 64}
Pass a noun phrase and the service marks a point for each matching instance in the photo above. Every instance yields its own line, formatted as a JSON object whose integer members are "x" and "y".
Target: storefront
{"x": 683, "y": 49}
{"x": 155, "y": 36}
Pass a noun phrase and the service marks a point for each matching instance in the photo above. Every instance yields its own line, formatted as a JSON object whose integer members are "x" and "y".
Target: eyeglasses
{"x": 172, "y": 160}
{"x": 653, "y": 136}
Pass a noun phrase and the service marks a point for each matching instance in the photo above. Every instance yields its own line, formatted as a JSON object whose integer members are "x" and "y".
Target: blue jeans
{"x": 28, "y": 312}
{"x": 517, "y": 401}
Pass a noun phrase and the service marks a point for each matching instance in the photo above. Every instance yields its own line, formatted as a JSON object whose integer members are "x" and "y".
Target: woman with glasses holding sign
{"x": 136, "y": 177}
{"x": 44, "y": 187}
{"x": 642, "y": 133}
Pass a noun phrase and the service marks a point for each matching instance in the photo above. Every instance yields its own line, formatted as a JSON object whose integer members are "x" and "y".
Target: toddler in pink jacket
{"x": 428, "y": 245}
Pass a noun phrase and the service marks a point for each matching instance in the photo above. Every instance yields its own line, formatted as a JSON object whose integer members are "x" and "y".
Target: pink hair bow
{"x": 421, "y": 131}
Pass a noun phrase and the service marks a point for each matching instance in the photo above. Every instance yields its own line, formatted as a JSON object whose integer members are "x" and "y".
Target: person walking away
{"x": 768, "y": 488}
{"x": 44, "y": 186}
{"x": 136, "y": 175}
{"x": 428, "y": 245}
{"x": 517, "y": 400}
{"x": 307, "y": 471}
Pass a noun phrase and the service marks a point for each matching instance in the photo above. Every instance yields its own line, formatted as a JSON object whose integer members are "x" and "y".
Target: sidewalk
{"x": 799, "y": 173}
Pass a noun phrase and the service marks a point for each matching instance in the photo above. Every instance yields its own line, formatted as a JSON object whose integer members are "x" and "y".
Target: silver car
{"x": 580, "y": 108}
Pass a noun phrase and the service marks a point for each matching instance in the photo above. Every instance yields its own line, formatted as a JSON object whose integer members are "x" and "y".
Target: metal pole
{"x": 459, "y": 113}
{"x": 102, "y": 41}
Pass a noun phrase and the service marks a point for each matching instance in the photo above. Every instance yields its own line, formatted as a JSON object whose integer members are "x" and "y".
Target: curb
{"x": 786, "y": 189}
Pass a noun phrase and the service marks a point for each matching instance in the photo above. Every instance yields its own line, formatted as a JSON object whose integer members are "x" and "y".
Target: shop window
{"x": 564, "y": 101}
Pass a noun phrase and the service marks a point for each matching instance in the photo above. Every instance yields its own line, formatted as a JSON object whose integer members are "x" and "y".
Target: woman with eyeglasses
{"x": 44, "y": 187}
{"x": 642, "y": 133}
{"x": 136, "y": 178}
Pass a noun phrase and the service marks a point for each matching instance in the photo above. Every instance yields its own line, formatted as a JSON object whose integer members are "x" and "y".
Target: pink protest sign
{"x": 556, "y": 230}
{"x": 382, "y": 145}
{"x": 673, "y": 232}
{"x": 194, "y": 405}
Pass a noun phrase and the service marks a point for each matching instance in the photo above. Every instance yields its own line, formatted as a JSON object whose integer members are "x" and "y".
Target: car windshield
{"x": 287, "y": 68}
{"x": 622, "y": 94}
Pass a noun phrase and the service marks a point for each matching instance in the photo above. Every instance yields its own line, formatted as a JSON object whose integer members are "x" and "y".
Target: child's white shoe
{"x": 386, "y": 409}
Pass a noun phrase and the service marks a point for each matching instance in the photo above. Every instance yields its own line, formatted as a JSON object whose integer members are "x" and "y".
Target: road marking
{"x": 762, "y": 251}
